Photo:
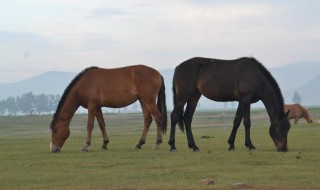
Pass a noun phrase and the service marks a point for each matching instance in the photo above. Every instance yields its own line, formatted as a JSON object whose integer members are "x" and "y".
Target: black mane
{"x": 272, "y": 81}
{"x": 66, "y": 92}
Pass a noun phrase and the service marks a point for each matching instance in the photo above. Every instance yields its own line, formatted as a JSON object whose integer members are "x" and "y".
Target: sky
{"x": 37, "y": 36}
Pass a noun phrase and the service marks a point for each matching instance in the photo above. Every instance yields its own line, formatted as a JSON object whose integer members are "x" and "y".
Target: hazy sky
{"x": 68, "y": 35}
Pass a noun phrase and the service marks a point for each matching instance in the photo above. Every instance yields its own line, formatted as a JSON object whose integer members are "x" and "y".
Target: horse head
{"x": 279, "y": 132}
{"x": 60, "y": 132}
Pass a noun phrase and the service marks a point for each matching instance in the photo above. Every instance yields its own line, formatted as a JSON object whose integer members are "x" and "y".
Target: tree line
{"x": 29, "y": 103}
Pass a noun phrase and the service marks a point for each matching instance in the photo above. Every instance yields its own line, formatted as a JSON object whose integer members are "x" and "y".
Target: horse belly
{"x": 119, "y": 100}
{"x": 220, "y": 93}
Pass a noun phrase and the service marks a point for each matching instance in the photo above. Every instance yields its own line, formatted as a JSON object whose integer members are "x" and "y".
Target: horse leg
{"x": 90, "y": 125}
{"x": 147, "y": 121}
{"x": 191, "y": 107}
{"x": 176, "y": 115}
{"x": 157, "y": 116}
{"x": 296, "y": 119}
{"x": 236, "y": 123}
{"x": 158, "y": 119}
{"x": 102, "y": 126}
{"x": 247, "y": 126}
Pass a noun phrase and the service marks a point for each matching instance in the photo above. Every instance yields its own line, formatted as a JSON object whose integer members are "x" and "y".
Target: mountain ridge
{"x": 303, "y": 77}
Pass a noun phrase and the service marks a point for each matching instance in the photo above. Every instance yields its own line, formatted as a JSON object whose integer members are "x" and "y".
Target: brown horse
{"x": 95, "y": 87}
{"x": 244, "y": 80}
{"x": 297, "y": 112}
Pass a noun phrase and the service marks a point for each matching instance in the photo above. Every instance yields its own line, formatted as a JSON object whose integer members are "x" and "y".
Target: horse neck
{"x": 69, "y": 107}
{"x": 272, "y": 102}
{"x": 306, "y": 115}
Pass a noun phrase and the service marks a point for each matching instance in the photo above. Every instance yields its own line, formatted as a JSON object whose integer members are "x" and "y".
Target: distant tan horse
{"x": 297, "y": 112}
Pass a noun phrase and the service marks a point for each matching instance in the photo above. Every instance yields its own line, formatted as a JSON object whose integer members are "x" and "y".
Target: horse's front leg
{"x": 191, "y": 107}
{"x": 236, "y": 123}
{"x": 90, "y": 125}
{"x": 102, "y": 126}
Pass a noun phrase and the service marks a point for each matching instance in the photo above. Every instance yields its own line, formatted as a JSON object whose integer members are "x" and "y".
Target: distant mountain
{"x": 296, "y": 74}
{"x": 48, "y": 83}
{"x": 303, "y": 77}
{"x": 309, "y": 92}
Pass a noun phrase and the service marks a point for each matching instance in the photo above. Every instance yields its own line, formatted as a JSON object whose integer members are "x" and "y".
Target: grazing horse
{"x": 95, "y": 87}
{"x": 297, "y": 112}
{"x": 244, "y": 80}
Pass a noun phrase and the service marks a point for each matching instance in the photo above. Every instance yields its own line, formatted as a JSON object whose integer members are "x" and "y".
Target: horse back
{"x": 117, "y": 87}
{"x": 219, "y": 80}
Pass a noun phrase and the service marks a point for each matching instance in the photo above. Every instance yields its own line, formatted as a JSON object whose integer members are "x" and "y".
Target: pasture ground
{"x": 27, "y": 163}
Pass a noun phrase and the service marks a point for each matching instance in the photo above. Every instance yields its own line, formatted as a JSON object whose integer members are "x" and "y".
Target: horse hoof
{"x": 84, "y": 150}
{"x": 104, "y": 147}
{"x": 157, "y": 146}
{"x": 196, "y": 150}
{"x": 173, "y": 150}
{"x": 138, "y": 147}
{"x": 231, "y": 149}
{"x": 252, "y": 149}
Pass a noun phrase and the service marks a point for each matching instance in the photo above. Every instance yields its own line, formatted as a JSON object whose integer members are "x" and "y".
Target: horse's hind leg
{"x": 176, "y": 115}
{"x": 157, "y": 116}
{"x": 102, "y": 126}
{"x": 147, "y": 121}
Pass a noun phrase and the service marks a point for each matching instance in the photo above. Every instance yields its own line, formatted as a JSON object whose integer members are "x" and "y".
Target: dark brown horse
{"x": 94, "y": 88}
{"x": 244, "y": 80}
{"x": 297, "y": 112}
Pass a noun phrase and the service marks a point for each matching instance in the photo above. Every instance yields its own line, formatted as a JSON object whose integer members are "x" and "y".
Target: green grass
{"x": 27, "y": 163}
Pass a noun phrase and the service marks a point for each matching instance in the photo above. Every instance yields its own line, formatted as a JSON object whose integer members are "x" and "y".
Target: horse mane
{"x": 272, "y": 82}
{"x": 66, "y": 92}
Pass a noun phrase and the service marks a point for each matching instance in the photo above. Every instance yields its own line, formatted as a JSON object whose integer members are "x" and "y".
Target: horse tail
{"x": 161, "y": 104}
{"x": 180, "y": 116}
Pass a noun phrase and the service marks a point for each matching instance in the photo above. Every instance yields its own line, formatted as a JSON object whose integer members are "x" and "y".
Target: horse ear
{"x": 287, "y": 114}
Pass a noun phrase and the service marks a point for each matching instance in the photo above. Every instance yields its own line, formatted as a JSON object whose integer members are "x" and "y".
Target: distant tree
{"x": 26, "y": 102}
{"x": 233, "y": 104}
{"x": 199, "y": 106}
{"x": 225, "y": 105}
{"x": 41, "y": 103}
{"x": 135, "y": 106}
{"x": 55, "y": 102}
{"x": 52, "y": 102}
{"x": 11, "y": 106}
{"x": 296, "y": 98}
{"x": 3, "y": 107}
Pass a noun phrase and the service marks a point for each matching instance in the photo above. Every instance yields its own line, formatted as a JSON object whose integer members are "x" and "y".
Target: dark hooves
{"x": 231, "y": 149}
{"x": 138, "y": 147}
{"x": 173, "y": 150}
{"x": 196, "y": 150}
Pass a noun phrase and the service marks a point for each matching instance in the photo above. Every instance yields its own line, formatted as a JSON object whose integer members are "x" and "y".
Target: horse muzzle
{"x": 54, "y": 148}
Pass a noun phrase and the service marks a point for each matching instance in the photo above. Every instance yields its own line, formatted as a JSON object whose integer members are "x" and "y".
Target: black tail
{"x": 161, "y": 103}
{"x": 180, "y": 115}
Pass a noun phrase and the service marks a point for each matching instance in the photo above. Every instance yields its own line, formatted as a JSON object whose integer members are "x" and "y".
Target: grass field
{"x": 27, "y": 163}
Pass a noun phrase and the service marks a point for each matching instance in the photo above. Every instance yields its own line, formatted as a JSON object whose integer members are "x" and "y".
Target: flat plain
{"x": 27, "y": 163}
